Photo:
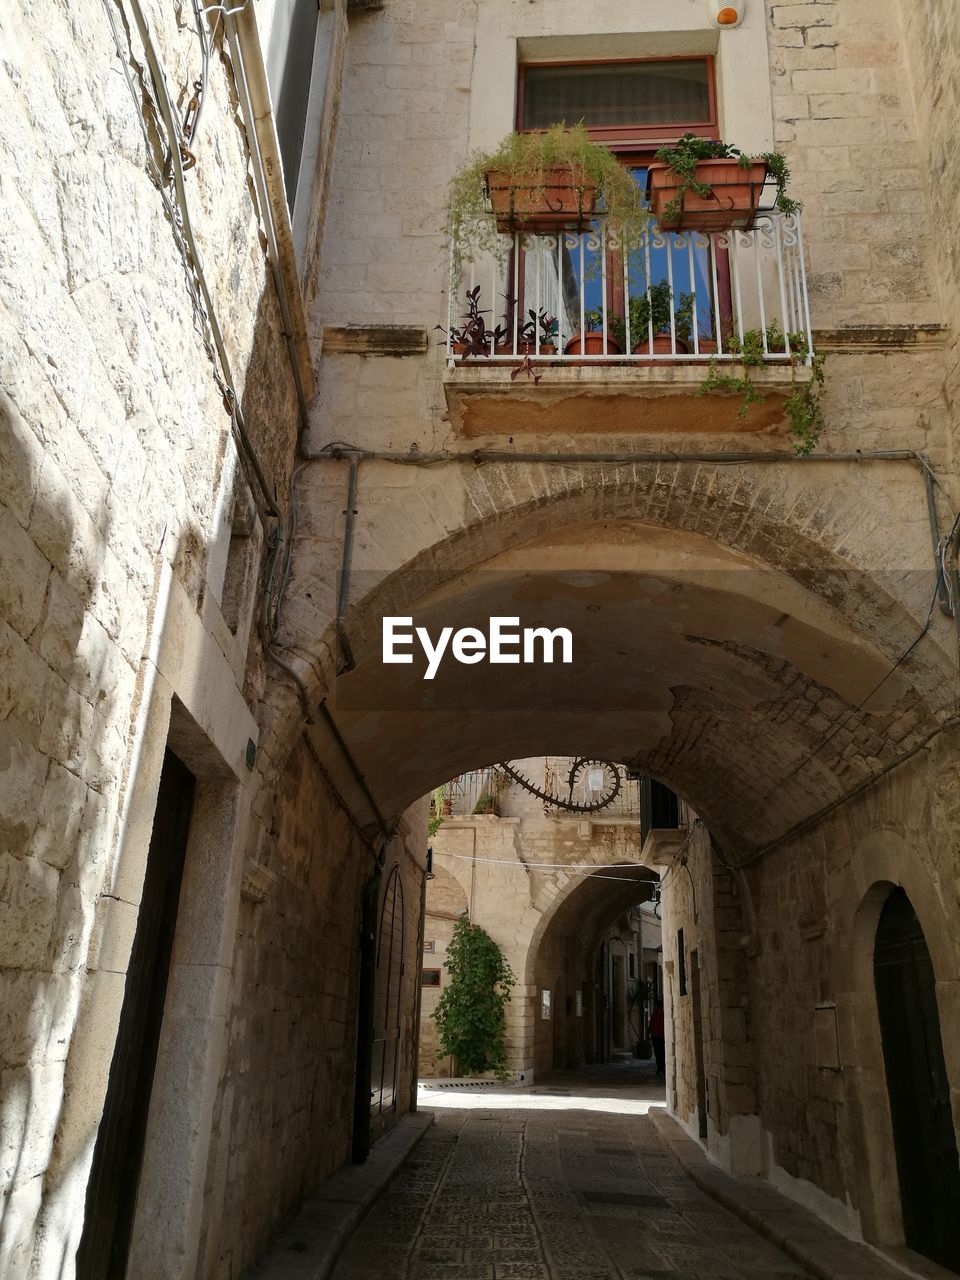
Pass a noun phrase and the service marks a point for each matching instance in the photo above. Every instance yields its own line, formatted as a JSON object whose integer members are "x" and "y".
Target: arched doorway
{"x": 917, "y": 1084}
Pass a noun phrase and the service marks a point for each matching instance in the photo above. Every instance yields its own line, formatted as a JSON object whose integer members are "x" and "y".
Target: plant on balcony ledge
{"x": 652, "y": 311}
{"x": 701, "y": 184}
{"x": 590, "y": 342}
{"x": 802, "y": 407}
{"x": 542, "y": 181}
{"x": 473, "y": 338}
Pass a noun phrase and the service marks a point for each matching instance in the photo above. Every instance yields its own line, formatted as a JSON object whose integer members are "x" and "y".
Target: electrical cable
{"x": 164, "y": 105}
{"x": 585, "y": 867}
{"x": 338, "y": 450}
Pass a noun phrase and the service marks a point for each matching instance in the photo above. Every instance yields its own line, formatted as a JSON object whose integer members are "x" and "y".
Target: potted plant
{"x": 487, "y": 804}
{"x": 651, "y": 310}
{"x": 700, "y": 184}
{"x": 541, "y": 181}
{"x": 472, "y": 337}
{"x": 590, "y": 342}
{"x": 548, "y": 327}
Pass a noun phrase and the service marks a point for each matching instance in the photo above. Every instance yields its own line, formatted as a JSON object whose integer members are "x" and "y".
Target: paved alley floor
{"x": 568, "y": 1181}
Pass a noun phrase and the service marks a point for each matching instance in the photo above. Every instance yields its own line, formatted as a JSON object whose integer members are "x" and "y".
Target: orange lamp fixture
{"x": 726, "y": 15}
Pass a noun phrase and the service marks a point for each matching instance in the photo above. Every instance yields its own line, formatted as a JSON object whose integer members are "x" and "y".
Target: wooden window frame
{"x": 634, "y": 138}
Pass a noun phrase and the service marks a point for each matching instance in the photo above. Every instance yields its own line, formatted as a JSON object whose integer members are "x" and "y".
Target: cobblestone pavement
{"x": 566, "y": 1182}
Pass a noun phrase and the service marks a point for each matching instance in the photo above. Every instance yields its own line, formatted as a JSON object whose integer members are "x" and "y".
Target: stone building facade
{"x": 577, "y": 940}
{"x": 230, "y": 446}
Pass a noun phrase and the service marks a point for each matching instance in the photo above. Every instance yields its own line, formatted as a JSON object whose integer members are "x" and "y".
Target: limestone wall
{"x": 818, "y": 899}
{"x": 796, "y": 1086}
{"x": 119, "y": 477}
{"x": 931, "y": 46}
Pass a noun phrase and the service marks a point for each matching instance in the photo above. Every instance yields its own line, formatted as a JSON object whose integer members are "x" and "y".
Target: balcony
{"x": 566, "y": 333}
{"x": 491, "y": 792}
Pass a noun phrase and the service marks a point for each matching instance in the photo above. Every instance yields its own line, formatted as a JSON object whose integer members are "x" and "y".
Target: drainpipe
{"x": 343, "y": 596}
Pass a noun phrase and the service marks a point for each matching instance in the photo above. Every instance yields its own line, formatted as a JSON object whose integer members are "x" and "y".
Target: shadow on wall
{"x": 75, "y": 685}
{"x": 65, "y": 676}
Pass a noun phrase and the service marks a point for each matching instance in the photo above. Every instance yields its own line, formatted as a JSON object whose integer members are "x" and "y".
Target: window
{"x": 633, "y": 107}
{"x": 430, "y": 978}
{"x": 681, "y": 963}
{"x": 622, "y": 102}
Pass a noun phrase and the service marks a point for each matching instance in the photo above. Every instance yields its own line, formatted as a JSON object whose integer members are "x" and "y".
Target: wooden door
{"x": 917, "y": 1085}
{"x": 118, "y": 1154}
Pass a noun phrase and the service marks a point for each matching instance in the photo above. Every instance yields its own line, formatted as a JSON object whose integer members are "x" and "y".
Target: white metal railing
{"x": 585, "y": 297}
{"x": 462, "y": 795}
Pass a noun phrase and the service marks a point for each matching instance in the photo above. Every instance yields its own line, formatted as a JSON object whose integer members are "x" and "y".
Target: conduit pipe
{"x": 477, "y": 457}
{"x": 165, "y": 107}
{"x": 343, "y": 596}
{"x": 256, "y": 107}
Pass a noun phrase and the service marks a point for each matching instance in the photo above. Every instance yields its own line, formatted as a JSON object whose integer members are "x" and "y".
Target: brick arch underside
{"x": 741, "y": 622}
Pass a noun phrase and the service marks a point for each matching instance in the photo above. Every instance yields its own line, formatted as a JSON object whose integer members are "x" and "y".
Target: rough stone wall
{"x": 115, "y": 447}
{"x": 285, "y": 1118}
{"x": 705, "y": 899}
{"x": 844, "y": 116}
{"x": 818, "y": 1112}
{"x": 932, "y": 48}
{"x": 795, "y": 1077}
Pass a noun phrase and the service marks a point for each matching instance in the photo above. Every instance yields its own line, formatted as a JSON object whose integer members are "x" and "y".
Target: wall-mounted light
{"x": 724, "y": 14}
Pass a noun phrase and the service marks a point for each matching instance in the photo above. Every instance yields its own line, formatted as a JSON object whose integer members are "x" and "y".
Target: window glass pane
{"x": 616, "y": 94}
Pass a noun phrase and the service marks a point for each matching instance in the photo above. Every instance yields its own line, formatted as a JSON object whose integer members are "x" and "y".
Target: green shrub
{"x": 470, "y": 1015}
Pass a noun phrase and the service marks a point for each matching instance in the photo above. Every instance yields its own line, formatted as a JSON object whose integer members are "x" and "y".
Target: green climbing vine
{"x": 470, "y": 1015}
{"x": 803, "y": 407}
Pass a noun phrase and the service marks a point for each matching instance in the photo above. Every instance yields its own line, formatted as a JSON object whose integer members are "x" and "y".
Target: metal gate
{"x": 917, "y": 1084}
{"x": 385, "y": 1053}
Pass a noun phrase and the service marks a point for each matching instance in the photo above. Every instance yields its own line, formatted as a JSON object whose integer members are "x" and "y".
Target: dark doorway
{"x": 917, "y": 1084}
{"x": 386, "y": 1003}
{"x": 118, "y": 1155}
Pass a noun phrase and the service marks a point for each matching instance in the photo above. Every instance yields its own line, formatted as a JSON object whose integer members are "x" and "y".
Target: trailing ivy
{"x": 803, "y": 407}
{"x": 470, "y": 1015}
{"x": 526, "y": 160}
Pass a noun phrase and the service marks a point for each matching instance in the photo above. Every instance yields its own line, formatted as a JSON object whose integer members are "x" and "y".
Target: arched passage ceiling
{"x": 736, "y": 683}
{"x": 589, "y": 910}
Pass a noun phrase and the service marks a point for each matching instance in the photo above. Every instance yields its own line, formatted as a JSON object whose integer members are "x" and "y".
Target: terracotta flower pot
{"x": 460, "y": 349}
{"x": 591, "y": 344}
{"x": 562, "y": 200}
{"x": 732, "y": 203}
{"x": 526, "y": 347}
{"x": 661, "y": 346}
